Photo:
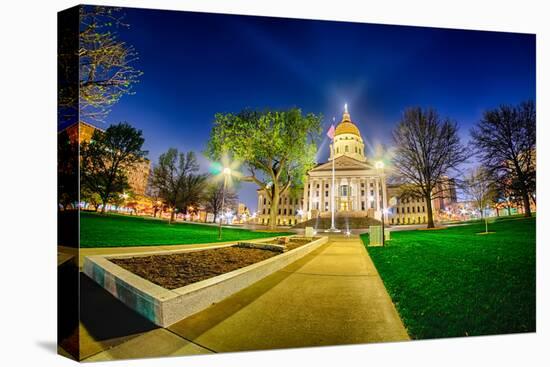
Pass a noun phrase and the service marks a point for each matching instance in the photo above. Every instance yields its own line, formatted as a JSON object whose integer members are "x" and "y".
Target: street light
{"x": 226, "y": 174}
{"x": 379, "y": 165}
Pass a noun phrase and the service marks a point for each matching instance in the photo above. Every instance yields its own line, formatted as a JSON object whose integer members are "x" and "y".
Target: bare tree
{"x": 105, "y": 64}
{"x": 427, "y": 149}
{"x": 176, "y": 178}
{"x": 505, "y": 138}
{"x": 213, "y": 198}
{"x": 479, "y": 187}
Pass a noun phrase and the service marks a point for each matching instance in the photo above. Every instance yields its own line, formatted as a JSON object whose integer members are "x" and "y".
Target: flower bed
{"x": 125, "y": 276}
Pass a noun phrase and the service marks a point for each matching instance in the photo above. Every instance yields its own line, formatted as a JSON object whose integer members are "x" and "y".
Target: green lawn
{"x": 454, "y": 282}
{"x": 118, "y": 231}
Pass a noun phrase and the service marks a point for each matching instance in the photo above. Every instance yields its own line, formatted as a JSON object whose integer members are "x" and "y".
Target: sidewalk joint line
{"x": 191, "y": 341}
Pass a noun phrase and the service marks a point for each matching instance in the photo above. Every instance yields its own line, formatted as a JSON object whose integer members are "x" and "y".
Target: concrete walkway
{"x": 333, "y": 296}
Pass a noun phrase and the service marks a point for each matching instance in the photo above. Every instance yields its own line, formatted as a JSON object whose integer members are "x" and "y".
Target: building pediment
{"x": 342, "y": 163}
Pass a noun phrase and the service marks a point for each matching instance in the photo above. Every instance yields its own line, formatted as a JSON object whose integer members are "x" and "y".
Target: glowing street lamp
{"x": 379, "y": 165}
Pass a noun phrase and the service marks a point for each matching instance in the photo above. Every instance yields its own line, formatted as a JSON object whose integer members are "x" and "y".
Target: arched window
{"x": 355, "y": 149}
{"x": 337, "y": 150}
{"x": 346, "y": 148}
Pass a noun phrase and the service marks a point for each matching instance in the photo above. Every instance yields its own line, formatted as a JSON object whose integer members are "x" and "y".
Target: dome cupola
{"x": 347, "y": 139}
{"x": 346, "y": 126}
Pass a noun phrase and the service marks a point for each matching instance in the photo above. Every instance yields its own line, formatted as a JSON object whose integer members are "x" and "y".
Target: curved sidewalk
{"x": 332, "y": 296}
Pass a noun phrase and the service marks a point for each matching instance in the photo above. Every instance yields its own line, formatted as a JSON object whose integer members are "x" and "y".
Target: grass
{"x": 120, "y": 231}
{"x": 454, "y": 282}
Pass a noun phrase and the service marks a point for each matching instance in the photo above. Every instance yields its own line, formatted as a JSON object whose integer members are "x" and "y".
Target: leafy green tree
{"x": 177, "y": 180}
{"x": 277, "y": 148}
{"x": 107, "y": 158}
{"x": 90, "y": 197}
{"x": 427, "y": 149}
{"x": 505, "y": 138}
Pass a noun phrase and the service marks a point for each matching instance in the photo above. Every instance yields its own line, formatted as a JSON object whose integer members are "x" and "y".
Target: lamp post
{"x": 380, "y": 170}
{"x": 226, "y": 173}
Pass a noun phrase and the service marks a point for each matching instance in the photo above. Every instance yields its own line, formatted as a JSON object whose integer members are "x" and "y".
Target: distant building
{"x": 138, "y": 176}
{"x": 413, "y": 210}
{"x": 287, "y": 215}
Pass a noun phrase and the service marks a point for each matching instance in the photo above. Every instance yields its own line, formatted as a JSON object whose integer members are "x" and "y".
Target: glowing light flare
{"x": 225, "y": 170}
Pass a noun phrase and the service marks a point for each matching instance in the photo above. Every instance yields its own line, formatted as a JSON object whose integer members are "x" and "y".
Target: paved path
{"x": 332, "y": 296}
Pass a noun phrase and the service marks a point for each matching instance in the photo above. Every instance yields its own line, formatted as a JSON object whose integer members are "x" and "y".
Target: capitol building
{"x": 360, "y": 188}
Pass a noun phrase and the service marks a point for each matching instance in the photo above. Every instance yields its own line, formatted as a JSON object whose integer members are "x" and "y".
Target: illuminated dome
{"x": 347, "y": 140}
{"x": 346, "y": 126}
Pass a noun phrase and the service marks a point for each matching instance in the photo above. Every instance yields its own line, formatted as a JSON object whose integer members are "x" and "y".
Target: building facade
{"x": 138, "y": 176}
{"x": 360, "y": 188}
{"x": 289, "y": 210}
{"x": 413, "y": 210}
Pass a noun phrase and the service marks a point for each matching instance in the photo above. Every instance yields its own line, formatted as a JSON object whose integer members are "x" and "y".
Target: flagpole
{"x": 333, "y": 200}
{"x": 332, "y": 227}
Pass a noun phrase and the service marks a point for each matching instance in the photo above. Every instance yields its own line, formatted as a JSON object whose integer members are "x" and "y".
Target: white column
{"x": 322, "y": 198}
{"x": 359, "y": 179}
{"x": 337, "y": 194}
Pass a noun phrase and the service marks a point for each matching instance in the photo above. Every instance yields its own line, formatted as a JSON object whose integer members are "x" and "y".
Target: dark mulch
{"x": 178, "y": 270}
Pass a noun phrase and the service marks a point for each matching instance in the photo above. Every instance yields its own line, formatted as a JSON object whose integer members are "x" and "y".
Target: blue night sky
{"x": 198, "y": 64}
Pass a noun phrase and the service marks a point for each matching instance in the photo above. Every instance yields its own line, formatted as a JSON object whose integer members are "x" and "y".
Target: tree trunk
{"x": 104, "y": 204}
{"x": 526, "y": 204}
{"x": 172, "y": 213}
{"x": 430, "y": 211}
{"x": 274, "y": 207}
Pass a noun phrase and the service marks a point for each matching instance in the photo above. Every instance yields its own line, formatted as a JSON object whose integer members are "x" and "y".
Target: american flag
{"x": 330, "y": 132}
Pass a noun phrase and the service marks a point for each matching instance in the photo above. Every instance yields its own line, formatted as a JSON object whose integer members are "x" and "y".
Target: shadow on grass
{"x": 104, "y": 316}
